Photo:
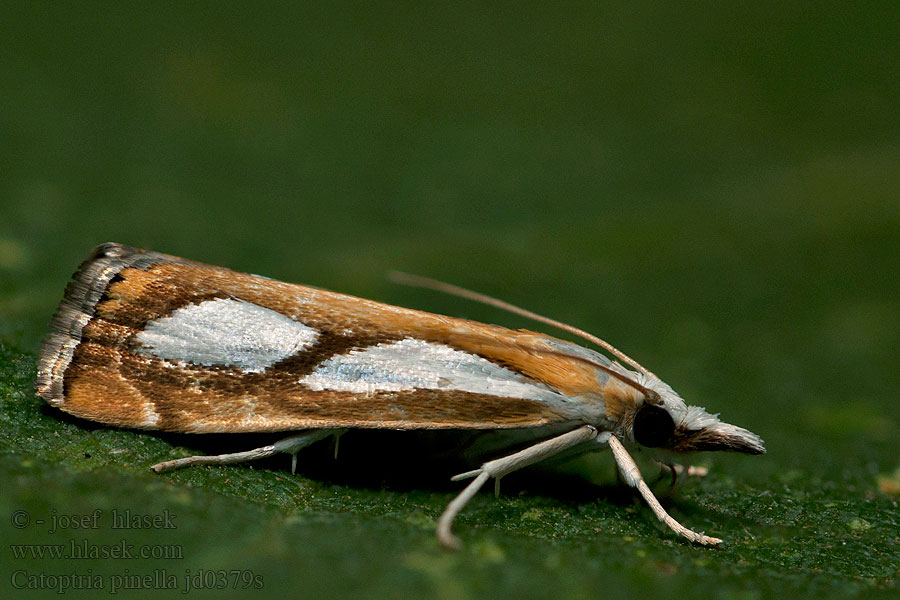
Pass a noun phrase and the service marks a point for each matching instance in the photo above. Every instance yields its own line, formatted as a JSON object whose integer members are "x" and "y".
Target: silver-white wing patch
{"x": 225, "y": 332}
{"x": 411, "y": 364}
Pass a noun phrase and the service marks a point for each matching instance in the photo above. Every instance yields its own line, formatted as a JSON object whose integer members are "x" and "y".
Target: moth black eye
{"x": 653, "y": 426}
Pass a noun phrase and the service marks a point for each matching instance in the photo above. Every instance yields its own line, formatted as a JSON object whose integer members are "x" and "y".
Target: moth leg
{"x": 337, "y": 442}
{"x": 500, "y": 467}
{"x": 676, "y": 470}
{"x": 633, "y": 477}
{"x": 696, "y": 471}
{"x": 291, "y": 445}
{"x": 678, "y": 474}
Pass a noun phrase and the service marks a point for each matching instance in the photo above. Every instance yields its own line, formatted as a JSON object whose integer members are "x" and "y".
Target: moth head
{"x": 664, "y": 421}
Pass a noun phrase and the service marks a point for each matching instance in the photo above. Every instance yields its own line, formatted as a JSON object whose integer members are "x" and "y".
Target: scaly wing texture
{"x": 152, "y": 341}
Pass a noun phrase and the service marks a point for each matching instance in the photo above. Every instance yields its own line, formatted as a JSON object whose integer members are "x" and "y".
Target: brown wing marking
{"x": 156, "y": 291}
{"x": 129, "y": 390}
{"x": 106, "y": 381}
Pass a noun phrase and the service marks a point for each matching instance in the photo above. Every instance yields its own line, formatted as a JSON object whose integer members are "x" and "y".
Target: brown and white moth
{"x": 152, "y": 341}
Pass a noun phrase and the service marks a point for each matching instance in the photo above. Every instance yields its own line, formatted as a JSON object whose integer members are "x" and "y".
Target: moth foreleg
{"x": 290, "y": 445}
{"x": 633, "y": 477}
{"x": 500, "y": 467}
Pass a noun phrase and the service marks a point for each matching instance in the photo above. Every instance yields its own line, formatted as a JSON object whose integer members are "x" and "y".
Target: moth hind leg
{"x": 500, "y": 467}
{"x": 291, "y": 445}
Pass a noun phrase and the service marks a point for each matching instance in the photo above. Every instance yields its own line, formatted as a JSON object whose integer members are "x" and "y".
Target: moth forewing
{"x": 152, "y": 341}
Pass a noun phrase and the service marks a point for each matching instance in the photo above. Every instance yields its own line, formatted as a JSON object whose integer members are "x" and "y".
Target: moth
{"x": 150, "y": 341}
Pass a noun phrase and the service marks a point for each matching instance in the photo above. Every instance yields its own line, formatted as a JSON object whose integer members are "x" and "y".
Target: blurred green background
{"x": 713, "y": 187}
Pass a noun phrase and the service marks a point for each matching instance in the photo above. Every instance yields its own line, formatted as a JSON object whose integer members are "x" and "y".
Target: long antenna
{"x": 448, "y": 288}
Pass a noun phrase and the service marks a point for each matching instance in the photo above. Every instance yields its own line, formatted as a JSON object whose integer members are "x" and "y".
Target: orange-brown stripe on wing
{"x": 105, "y": 371}
{"x": 166, "y": 286}
{"x": 128, "y": 390}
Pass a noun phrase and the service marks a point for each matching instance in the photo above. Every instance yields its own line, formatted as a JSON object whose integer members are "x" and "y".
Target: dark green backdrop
{"x": 711, "y": 187}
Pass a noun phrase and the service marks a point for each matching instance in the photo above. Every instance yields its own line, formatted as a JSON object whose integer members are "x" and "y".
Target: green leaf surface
{"x": 712, "y": 189}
